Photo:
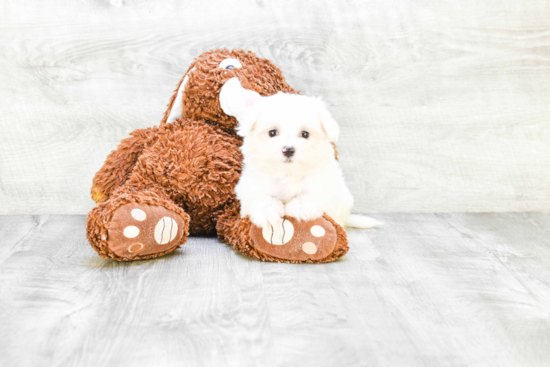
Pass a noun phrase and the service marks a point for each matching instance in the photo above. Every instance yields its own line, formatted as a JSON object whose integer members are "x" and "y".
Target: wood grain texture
{"x": 443, "y": 104}
{"x": 426, "y": 290}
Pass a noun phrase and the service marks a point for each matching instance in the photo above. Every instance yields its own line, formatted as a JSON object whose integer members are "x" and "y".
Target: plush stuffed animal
{"x": 177, "y": 179}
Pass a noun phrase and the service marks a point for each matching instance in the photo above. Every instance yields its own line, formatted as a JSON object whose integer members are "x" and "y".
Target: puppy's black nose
{"x": 288, "y": 151}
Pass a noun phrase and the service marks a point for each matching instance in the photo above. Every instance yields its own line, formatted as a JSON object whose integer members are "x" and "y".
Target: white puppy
{"x": 289, "y": 159}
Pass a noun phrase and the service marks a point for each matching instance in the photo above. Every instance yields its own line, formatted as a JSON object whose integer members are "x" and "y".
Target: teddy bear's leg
{"x": 317, "y": 241}
{"x": 119, "y": 165}
{"x": 137, "y": 224}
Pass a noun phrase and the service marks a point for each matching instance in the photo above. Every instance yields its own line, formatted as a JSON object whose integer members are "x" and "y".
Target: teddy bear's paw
{"x": 139, "y": 230}
{"x": 295, "y": 240}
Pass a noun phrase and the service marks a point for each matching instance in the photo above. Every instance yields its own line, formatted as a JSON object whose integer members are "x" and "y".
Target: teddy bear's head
{"x": 197, "y": 96}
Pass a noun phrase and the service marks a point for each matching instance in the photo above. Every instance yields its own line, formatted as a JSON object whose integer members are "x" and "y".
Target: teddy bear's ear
{"x": 175, "y": 106}
{"x": 241, "y": 103}
{"x": 328, "y": 123}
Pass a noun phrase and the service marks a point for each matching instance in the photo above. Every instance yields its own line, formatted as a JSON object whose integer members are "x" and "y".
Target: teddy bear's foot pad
{"x": 296, "y": 241}
{"x": 140, "y": 229}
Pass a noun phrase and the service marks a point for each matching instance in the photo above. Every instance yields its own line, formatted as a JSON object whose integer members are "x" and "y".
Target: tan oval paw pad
{"x": 136, "y": 247}
{"x": 165, "y": 230}
{"x": 317, "y": 231}
{"x": 279, "y": 235}
{"x": 138, "y": 214}
{"x": 131, "y": 232}
{"x": 309, "y": 248}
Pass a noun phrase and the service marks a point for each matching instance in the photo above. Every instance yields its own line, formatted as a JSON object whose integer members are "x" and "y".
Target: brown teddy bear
{"x": 177, "y": 179}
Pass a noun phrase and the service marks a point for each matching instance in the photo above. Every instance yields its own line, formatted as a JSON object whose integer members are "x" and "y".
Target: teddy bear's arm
{"x": 119, "y": 165}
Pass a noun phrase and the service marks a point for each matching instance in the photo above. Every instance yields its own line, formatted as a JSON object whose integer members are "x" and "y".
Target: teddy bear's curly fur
{"x": 186, "y": 170}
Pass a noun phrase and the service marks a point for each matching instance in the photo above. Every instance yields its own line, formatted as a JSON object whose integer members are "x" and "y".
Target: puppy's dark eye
{"x": 229, "y": 67}
{"x": 305, "y": 134}
{"x": 272, "y": 133}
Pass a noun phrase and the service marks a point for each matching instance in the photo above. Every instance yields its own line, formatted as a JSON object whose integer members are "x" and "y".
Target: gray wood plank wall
{"x": 443, "y": 104}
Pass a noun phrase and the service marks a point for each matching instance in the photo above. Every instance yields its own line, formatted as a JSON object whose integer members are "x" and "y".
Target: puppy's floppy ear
{"x": 247, "y": 121}
{"x": 241, "y": 103}
{"x": 328, "y": 123}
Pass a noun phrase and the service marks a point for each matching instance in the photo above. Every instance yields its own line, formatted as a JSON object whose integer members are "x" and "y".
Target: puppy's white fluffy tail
{"x": 361, "y": 221}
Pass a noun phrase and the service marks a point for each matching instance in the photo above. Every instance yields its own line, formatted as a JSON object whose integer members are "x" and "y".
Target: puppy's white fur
{"x": 303, "y": 186}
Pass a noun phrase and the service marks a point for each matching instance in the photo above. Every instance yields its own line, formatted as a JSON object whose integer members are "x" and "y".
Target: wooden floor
{"x": 426, "y": 290}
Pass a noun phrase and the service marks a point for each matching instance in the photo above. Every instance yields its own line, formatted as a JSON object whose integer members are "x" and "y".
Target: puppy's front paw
{"x": 302, "y": 211}
{"x": 268, "y": 214}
